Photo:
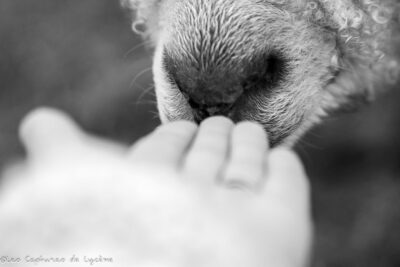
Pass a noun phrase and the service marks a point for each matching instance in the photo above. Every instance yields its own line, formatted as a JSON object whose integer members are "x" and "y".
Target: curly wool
{"x": 363, "y": 26}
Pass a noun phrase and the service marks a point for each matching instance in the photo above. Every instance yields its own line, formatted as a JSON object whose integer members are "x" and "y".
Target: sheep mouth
{"x": 201, "y": 112}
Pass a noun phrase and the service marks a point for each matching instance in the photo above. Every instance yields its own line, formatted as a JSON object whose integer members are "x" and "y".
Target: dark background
{"x": 80, "y": 56}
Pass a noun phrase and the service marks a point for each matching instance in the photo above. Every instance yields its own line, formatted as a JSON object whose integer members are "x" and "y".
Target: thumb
{"x": 47, "y": 131}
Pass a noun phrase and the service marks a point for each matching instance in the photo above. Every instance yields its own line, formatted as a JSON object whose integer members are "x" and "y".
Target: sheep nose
{"x": 213, "y": 89}
{"x": 208, "y": 92}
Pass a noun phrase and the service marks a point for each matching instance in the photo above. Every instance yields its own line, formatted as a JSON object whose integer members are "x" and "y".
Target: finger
{"x": 286, "y": 179}
{"x": 209, "y": 150}
{"x": 246, "y": 163}
{"x": 47, "y": 131}
{"x": 166, "y": 145}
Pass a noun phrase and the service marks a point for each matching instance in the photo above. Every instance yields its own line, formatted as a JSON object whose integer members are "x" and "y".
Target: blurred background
{"x": 81, "y": 56}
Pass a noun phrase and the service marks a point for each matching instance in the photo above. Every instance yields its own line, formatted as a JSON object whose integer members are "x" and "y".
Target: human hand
{"x": 181, "y": 196}
{"x": 246, "y": 205}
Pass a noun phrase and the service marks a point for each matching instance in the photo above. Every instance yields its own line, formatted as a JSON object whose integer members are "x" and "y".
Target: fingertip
{"x": 220, "y": 121}
{"x": 206, "y": 156}
{"x": 287, "y": 159}
{"x": 286, "y": 175}
{"x": 244, "y": 129}
{"x": 251, "y": 125}
{"x": 178, "y": 126}
{"x": 165, "y": 145}
{"x": 247, "y": 154}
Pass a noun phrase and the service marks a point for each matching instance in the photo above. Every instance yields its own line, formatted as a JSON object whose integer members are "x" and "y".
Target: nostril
{"x": 213, "y": 89}
{"x": 193, "y": 104}
{"x": 276, "y": 67}
{"x": 265, "y": 72}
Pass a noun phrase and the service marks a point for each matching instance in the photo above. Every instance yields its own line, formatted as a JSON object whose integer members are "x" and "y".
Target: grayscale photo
{"x": 201, "y": 133}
